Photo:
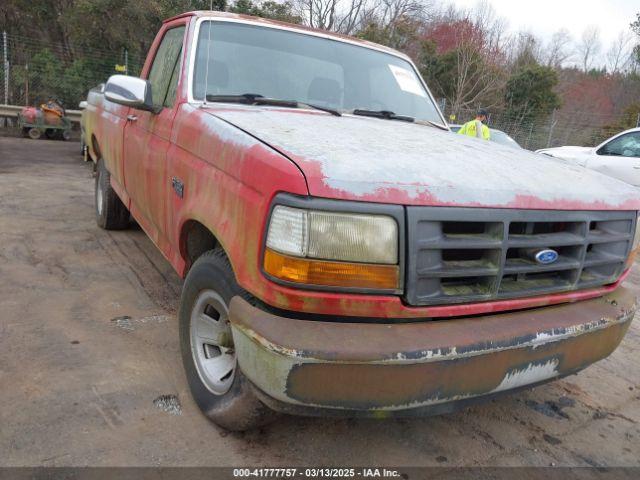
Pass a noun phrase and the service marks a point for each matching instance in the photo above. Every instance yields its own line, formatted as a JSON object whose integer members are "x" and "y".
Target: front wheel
{"x": 217, "y": 384}
{"x": 111, "y": 214}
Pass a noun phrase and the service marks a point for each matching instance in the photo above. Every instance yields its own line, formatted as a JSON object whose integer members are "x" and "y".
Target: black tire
{"x": 34, "y": 133}
{"x": 111, "y": 214}
{"x": 237, "y": 409}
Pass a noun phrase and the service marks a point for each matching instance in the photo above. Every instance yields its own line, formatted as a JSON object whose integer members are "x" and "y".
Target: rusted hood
{"x": 359, "y": 158}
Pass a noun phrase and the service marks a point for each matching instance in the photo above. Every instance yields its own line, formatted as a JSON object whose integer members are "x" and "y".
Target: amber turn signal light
{"x": 334, "y": 274}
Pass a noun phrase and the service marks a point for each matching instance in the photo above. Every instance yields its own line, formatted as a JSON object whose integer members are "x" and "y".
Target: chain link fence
{"x": 34, "y": 71}
{"x": 559, "y": 128}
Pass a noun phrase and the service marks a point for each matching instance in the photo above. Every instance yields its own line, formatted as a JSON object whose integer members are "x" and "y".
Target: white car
{"x": 497, "y": 136}
{"x": 618, "y": 157}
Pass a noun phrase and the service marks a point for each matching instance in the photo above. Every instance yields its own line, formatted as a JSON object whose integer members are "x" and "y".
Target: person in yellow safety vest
{"x": 477, "y": 128}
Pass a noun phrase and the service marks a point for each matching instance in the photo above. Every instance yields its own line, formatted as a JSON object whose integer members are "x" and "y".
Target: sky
{"x": 544, "y": 17}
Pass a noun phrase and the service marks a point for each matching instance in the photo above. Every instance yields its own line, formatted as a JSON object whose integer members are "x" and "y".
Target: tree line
{"x": 468, "y": 56}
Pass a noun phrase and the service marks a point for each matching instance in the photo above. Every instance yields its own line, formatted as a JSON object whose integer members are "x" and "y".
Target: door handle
{"x": 131, "y": 118}
{"x": 637, "y": 167}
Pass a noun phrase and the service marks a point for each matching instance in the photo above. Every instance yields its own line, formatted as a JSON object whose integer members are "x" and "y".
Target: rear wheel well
{"x": 195, "y": 240}
{"x": 95, "y": 147}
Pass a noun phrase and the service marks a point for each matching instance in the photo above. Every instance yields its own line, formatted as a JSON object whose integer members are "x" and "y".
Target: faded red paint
{"x": 393, "y": 307}
{"x": 230, "y": 179}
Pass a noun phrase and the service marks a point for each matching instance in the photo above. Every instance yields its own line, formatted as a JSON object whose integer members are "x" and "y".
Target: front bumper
{"x": 372, "y": 369}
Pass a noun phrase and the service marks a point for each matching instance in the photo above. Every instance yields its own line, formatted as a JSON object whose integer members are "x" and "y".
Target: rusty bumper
{"x": 433, "y": 366}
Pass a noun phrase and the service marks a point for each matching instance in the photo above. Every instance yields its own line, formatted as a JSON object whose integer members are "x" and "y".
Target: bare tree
{"x": 486, "y": 19}
{"x": 476, "y": 79}
{"x": 336, "y": 15}
{"x": 589, "y": 46}
{"x": 479, "y": 71}
{"x": 391, "y": 11}
{"x": 525, "y": 49}
{"x": 619, "y": 55}
{"x": 558, "y": 50}
{"x": 395, "y": 13}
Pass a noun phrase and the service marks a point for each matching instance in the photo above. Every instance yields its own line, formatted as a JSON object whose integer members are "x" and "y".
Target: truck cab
{"x": 343, "y": 252}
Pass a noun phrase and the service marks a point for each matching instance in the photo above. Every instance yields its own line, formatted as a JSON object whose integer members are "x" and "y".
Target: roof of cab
{"x": 290, "y": 26}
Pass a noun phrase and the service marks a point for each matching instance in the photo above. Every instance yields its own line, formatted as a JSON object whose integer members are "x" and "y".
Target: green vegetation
{"x": 267, "y": 9}
{"x": 529, "y": 93}
{"x": 541, "y": 91}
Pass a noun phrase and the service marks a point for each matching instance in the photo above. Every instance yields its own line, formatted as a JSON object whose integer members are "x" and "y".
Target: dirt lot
{"x": 88, "y": 347}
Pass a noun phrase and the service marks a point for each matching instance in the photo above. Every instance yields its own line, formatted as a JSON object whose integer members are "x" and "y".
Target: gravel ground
{"x": 90, "y": 370}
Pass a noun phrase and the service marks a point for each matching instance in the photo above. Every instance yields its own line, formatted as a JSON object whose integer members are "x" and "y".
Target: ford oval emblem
{"x": 546, "y": 256}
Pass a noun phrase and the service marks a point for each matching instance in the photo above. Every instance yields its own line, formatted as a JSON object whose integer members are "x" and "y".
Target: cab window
{"x": 163, "y": 75}
{"x": 170, "y": 97}
{"x": 624, "y": 146}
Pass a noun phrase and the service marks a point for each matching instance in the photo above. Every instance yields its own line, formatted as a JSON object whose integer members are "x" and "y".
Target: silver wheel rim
{"x": 99, "y": 194}
{"x": 212, "y": 343}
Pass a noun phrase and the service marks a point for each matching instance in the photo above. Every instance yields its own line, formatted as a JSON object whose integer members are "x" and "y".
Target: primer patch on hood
{"x": 370, "y": 159}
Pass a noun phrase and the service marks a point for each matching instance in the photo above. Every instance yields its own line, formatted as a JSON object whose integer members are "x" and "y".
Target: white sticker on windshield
{"x": 407, "y": 80}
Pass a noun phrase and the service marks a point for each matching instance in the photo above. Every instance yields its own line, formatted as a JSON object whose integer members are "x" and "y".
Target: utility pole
{"x": 551, "y": 127}
{"x": 6, "y": 68}
{"x": 26, "y": 84}
{"x": 526, "y": 144}
{"x": 638, "y": 121}
{"x": 126, "y": 61}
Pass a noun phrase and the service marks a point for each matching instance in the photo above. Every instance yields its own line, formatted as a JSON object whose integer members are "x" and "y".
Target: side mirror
{"x": 129, "y": 91}
{"x": 82, "y": 105}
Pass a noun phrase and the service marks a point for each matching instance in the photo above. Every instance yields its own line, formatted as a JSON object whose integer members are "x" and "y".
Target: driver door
{"x": 619, "y": 158}
{"x": 147, "y": 138}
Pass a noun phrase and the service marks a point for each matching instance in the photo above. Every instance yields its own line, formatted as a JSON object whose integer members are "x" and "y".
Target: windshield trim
{"x": 200, "y": 20}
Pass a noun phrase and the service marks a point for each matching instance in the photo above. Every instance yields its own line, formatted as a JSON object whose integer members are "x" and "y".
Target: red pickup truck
{"x": 343, "y": 252}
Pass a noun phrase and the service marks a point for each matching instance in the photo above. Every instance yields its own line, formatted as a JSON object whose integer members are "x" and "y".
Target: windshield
{"x": 293, "y": 66}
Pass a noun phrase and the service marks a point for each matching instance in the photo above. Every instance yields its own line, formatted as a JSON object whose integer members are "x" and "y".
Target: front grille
{"x": 470, "y": 254}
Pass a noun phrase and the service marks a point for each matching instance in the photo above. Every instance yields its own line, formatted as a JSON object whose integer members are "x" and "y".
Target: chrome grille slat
{"x": 459, "y": 255}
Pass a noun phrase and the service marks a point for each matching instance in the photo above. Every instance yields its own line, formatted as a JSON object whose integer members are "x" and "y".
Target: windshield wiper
{"x": 387, "y": 114}
{"x": 257, "y": 99}
{"x": 332, "y": 111}
{"x": 392, "y": 116}
{"x": 433, "y": 124}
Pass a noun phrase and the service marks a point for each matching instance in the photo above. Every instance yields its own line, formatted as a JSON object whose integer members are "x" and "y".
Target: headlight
{"x": 325, "y": 248}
